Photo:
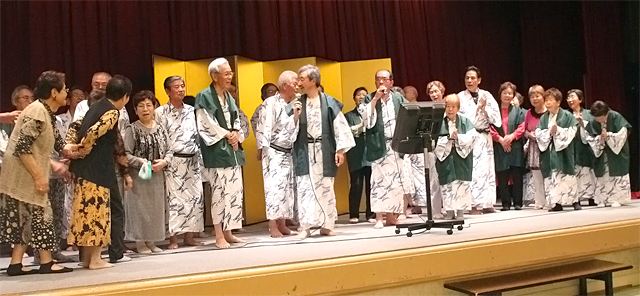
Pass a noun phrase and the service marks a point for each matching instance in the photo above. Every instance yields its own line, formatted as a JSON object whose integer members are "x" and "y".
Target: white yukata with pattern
{"x": 182, "y": 178}
{"x": 388, "y": 182}
{"x": 483, "y": 183}
{"x": 456, "y": 195}
{"x": 559, "y": 187}
{"x": 280, "y": 130}
{"x": 610, "y": 189}
{"x": 316, "y": 195}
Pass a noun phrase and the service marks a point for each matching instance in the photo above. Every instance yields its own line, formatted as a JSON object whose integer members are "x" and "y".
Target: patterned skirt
{"x": 90, "y": 215}
{"x": 26, "y": 224}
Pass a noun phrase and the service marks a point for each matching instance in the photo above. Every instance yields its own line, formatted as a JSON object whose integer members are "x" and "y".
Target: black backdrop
{"x": 564, "y": 44}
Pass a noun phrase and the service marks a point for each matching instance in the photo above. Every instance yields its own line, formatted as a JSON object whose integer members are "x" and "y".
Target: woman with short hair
{"x": 26, "y": 216}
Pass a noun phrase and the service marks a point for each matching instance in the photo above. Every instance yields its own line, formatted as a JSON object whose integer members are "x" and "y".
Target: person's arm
{"x": 517, "y": 134}
{"x": 343, "y": 137}
{"x": 30, "y": 130}
{"x": 106, "y": 122}
{"x": 543, "y": 138}
{"x": 129, "y": 144}
{"x": 495, "y": 136}
{"x": 616, "y": 141}
{"x": 9, "y": 117}
{"x": 210, "y": 131}
{"x": 564, "y": 136}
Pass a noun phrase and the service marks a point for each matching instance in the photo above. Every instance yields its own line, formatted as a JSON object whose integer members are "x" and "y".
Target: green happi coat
{"x": 329, "y": 109}
{"x": 356, "y": 155}
{"x": 220, "y": 154}
{"x": 618, "y": 163}
{"x": 375, "y": 138}
{"x": 563, "y": 160}
{"x": 584, "y": 154}
{"x": 454, "y": 167}
{"x": 506, "y": 160}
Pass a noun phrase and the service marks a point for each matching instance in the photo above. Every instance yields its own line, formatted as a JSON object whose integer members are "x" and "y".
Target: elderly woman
{"x": 146, "y": 141}
{"x": 435, "y": 91}
{"x": 455, "y": 159}
{"x": 508, "y": 148}
{"x": 95, "y": 183}
{"x": 584, "y": 155}
{"x": 533, "y": 181}
{"x": 26, "y": 216}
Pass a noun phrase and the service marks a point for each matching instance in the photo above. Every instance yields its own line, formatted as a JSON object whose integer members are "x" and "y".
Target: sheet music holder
{"x": 416, "y": 125}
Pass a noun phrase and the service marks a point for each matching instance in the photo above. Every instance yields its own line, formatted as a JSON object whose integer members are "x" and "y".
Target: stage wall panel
{"x": 249, "y": 74}
{"x": 197, "y": 76}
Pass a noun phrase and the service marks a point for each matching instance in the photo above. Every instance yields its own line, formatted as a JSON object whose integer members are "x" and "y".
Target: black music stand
{"x": 416, "y": 124}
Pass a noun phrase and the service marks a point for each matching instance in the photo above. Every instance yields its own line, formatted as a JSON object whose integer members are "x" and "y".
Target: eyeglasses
{"x": 227, "y": 74}
{"x": 32, "y": 98}
{"x": 383, "y": 79}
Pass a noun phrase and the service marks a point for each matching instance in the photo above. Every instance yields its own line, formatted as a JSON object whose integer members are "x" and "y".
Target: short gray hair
{"x": 286, "y": 77}
{"x": 314, "y": 73}
{"x": 100, "y": 74}
{"x": 16, "y": 92}
{"x": 385, "y": 70}
{"x": 214, "y": 67}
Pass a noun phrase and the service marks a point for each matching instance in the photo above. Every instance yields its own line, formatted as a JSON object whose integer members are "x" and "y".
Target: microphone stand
{"x": 427, "y": 146}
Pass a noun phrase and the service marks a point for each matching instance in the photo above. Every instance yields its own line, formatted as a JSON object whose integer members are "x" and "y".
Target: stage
{"x": 359, "y": 258}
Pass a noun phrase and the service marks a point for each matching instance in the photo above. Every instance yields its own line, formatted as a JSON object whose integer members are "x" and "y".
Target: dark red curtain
{"x": 561, "y": 43}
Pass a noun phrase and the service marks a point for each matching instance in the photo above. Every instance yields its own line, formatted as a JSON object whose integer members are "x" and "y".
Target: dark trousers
{"x": 510, "y": 198}
{"x": 116, "y": 248}
{"x": 360, "y": 178}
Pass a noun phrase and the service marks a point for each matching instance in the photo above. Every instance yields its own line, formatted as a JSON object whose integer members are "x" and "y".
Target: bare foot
{"x": 222, "y": 243}
{"x": 475, "y": 212}
{"x": 275, "y": 233}
{"x": 172, "y": 246}
{"x": 379, "y": 225}
{"x": 327, "y": 232}
{"x": 99, "y": 264}
{"x": 303, "y": 234}
{"x": 284, "y": 230}
{"x": 391, "y": 219}
{"x": 402, "y": 217}
{"x": 193, "y": 242}
{"x": 232, "y": 238}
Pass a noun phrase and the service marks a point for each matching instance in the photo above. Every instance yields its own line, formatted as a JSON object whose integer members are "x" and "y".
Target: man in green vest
{"x": 454, "y": 158}
{"x": 359, "y": 167}
{"x": 222, "y": 154}
{"x": 555, "y": 133}
{"x": 607, "y": 133}
{"x": 379, "y": 110}
{"x": 323, "y": 138}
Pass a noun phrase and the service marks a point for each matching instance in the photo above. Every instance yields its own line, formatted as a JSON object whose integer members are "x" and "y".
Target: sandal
{"x": 46, "y": 268}
{"x": 16, "y": 269}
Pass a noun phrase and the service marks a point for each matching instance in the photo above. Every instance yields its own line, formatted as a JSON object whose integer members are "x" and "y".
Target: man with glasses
{"x": 21, "y": 97}
{"x": 222, "y": 153}
{"x": 379, "y": 110}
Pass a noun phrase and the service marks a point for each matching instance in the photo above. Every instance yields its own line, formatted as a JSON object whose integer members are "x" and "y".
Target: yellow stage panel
{"x": 197, "y": 76}
{"x": 360, "y": 73}
{"x": 249, "y": 81}
{"x": 273, "y": 69}
{"x": 164, "y": 67}
{"x": 332, "y": 81}
{"x": 331, "y": 77}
